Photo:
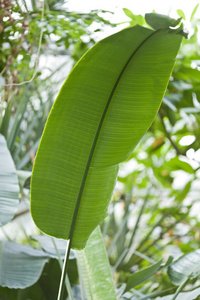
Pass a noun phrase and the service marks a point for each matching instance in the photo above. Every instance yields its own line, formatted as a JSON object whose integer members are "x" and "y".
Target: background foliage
{"x": 154, "y": 212}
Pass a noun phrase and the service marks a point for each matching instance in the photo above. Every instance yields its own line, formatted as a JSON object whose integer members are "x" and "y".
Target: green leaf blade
{"x": 159, "y": 21}
{"x": 186, "y": 266}
{"x": 95, "y": 269}
{"x": 106, "y": 105}
{"x": 143, "y": 275}
{"x": 20, "y": 265}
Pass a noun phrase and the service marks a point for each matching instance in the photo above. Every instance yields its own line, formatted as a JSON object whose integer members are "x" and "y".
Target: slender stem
{"x": 67, "y": 282}
{"x": 138, "y": 220}
{"x": 64, "y": 271}
{"x": 120, "y": 259}
{"x": 25, "y": 5}
{"x": 146, "y": 238}
{"x": 20, "y": 213}
{"x": 110, "y": 249}
{"x": 181, "y": 287}
{"x": 178, "y": 151}
{"x": 143, "y": 256}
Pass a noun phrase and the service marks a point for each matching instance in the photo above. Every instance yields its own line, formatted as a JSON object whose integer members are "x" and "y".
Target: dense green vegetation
{"x": 153, "y": 216}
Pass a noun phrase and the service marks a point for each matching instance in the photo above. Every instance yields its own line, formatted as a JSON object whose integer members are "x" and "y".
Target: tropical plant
{"x": 124, "y": 61}
{"x": 152, "y": 215}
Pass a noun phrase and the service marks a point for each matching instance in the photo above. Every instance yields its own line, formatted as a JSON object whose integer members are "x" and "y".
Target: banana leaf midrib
{"x": 75, "y": 214}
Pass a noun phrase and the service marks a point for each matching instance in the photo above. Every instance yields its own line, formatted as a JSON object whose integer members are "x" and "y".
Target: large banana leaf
{"x": 20, "y": 265}
{"x": 9, "y": 187}
{"x": 95, "y": 269}
{"x": 103, "y": 109}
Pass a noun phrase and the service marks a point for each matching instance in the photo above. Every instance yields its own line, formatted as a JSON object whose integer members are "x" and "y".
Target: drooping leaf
{"x": 95, "y": 269}
{"x": 9, "y": 187}
{"x": 158, "y": 21}
{"x": 103, "y": 109}
{"x": 186, "y": 266}
{"x": 143, "y": 275}
{"x": 20, "y": 265}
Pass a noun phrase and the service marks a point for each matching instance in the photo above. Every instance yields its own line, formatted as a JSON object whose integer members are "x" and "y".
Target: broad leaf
{"x": 143, "y": 275}
{"x": 9, "y": 187}
{"x": 103, "y": 109}
{"x": 186, "y": 266}
{"x": 158, "y": 21}
{"x": 46, "y": 288}
{"x": 95, "y": 269}
{"x": 20, "y": 265}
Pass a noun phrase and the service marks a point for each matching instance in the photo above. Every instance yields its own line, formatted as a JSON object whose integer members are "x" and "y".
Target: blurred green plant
{"x": 27, "y": 86}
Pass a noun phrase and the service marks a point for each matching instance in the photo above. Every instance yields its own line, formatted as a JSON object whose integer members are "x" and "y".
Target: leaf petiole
{"x": 64, "y": 271}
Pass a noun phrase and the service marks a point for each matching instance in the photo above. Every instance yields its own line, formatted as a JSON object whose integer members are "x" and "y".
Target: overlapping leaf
{"x": 20, "y": 265}
{"x": 142, "y": 275}
{"x": 95, "y": 269}
{"x": 186, "y": 266}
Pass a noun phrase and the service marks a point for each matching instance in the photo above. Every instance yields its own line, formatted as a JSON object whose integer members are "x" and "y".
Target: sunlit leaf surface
{"x": 104, "y": 108}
